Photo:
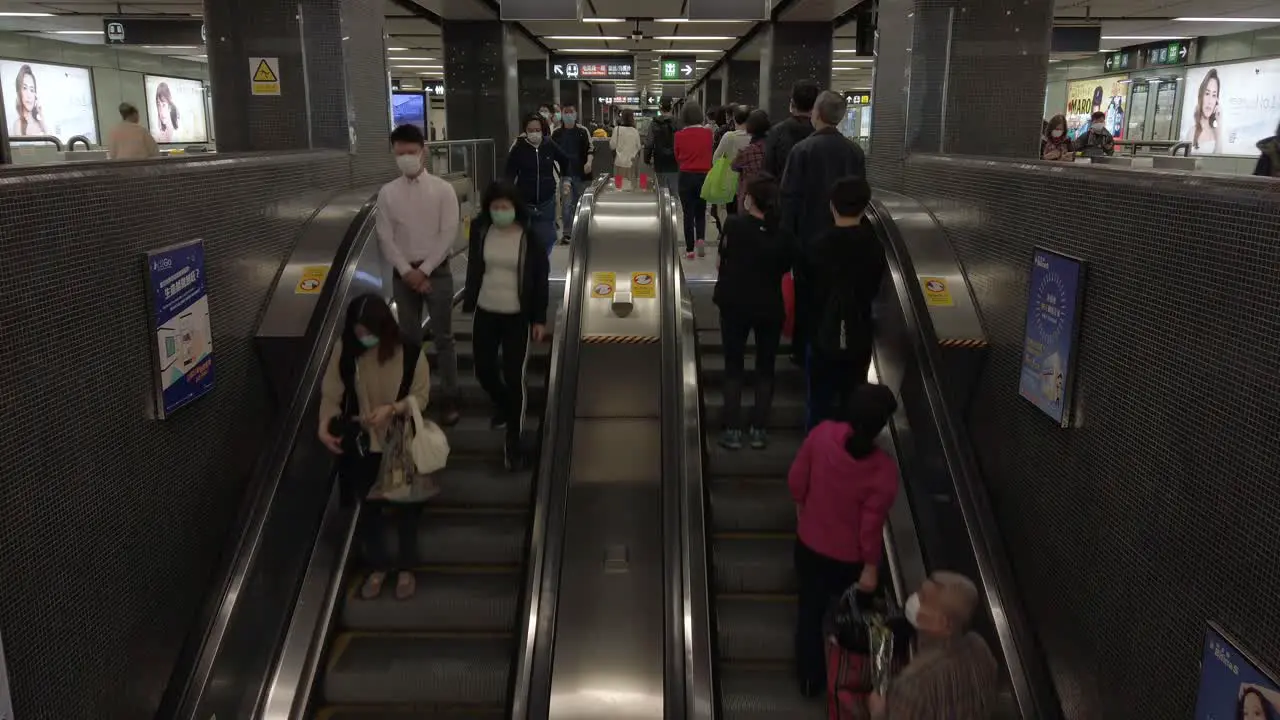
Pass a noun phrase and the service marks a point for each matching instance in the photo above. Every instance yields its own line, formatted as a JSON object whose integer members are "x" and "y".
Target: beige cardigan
{"x": 376, "y": 385}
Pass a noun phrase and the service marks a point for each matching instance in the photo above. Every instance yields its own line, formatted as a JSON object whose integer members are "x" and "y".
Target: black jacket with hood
{"x": 533, "y": 169}
{"x": 662, "y": 158}
{"x": 535, "y": 271}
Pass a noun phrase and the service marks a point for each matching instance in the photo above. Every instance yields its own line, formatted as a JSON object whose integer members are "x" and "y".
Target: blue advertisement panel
{"x": 1053, "y": 309}
{"x": 1232, "y": 685}
{"x": 409, "y": 108}
{"x": 179, "y": 323}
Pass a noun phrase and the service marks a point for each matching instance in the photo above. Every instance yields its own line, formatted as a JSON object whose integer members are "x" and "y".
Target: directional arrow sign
{"x": 1182, "y": 52}
{"x": 686, "y": 70}
{"x": 557, "y": 70}
{"x": 676, "y": 67}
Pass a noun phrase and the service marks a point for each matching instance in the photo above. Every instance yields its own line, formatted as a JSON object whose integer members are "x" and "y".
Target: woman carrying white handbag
{"x": 370, "y": 416}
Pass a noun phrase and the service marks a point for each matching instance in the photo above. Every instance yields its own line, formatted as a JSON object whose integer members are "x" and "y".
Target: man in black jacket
{"x": 575, "y": 141}
{"x": 660, "y": 148}
{"x": 785, "y": 135}
{"x": 814, "y": 166}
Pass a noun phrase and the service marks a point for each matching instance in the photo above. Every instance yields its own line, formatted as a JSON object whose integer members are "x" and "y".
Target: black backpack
{"x": 835, "y": 320}
{"x": 664, "y": 141}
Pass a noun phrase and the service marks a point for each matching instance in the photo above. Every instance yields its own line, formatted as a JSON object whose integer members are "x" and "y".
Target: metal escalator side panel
{"x": 691, "y": 594}
{"x": 920, "y": 369}
{"x": 531, "y": 679}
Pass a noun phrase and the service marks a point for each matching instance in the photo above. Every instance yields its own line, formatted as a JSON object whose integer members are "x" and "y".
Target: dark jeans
{"x": 358, "y": 475}
{"x": 735, "y": 326}
{"x": 831, "y": 379}
{"x": 494, "y": 335}
{"x": 543, "y": 222}
{"x": 820, "y": 580}
{"x": 694, "y": 207}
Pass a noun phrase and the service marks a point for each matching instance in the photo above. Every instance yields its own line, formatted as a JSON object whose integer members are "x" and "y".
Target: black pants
{"x": 494, "y": 335}
{"x": 694, "y": 207}
{"x": 821, "y": 581}
{"x": 832, "y": 378}
{"x": 735, "y": 326}
{"x": 358, "y": 475}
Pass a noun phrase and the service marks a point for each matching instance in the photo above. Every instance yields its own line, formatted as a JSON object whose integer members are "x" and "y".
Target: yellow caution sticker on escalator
{"x": 936, "y": 292}
{"x": 643, "y": 285}
{"x": 603, "y": 284}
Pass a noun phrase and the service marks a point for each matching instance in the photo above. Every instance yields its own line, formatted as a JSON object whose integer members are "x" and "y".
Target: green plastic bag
{"x": 721, "y": 184}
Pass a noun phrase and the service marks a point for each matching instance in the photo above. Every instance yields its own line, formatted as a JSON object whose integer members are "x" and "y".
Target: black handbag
{"x": 346, "y": 425}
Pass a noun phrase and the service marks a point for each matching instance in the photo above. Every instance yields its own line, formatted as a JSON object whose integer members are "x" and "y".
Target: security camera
{"x": 637, "y": 35}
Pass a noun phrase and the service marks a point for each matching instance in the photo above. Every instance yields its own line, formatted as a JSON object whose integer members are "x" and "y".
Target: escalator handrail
{"x": 531, "y": 679}
{"x": 1027, "y": 669}
{"x": 271, "y": 469}
{"x": 692, "y": 609}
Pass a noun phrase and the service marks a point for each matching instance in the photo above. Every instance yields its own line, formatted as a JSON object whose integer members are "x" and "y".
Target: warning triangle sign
{"x": 264, "y": 73}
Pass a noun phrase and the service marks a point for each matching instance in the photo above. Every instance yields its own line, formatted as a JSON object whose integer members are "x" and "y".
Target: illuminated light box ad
{"x": 176, "y": 110}
{"x": 1105, "y": 94}
{"x": 1232, "y": 683}
{"x": 1054, "y": 296}
{"x": 49, "y": 100}
{"x": 1227, "y": 109}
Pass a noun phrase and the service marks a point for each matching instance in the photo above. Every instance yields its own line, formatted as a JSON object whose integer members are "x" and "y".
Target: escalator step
{"x": 446, "y": 538}
{"x": 756, "y": 628}
{"x": 482, "y": 482}
{"x": 753, "y": 565}
{"x": 787, "y": 411}
{"x": 710, "y": 342}
{"x": 453, "y": 601}
{"x": 788, "y": 379}
{"x": 538, "y": 356}
{"x": 773, "y": 461}
{"x": 423, "y": 670}
{"x": 472, "y": 435}
{"x": 752, "y": 505}
{"x": 387, "y": 712}
{"x": 474, "y": 396}
{"x": 765, "y": 693}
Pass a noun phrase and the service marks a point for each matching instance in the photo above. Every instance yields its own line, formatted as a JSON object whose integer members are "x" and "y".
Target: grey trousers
{"x": 439, "y": 307}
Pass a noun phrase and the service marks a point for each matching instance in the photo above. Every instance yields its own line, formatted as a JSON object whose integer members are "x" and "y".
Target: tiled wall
{"x": 113, "y": 523}
{"x": 1153, "y": 514}
{"x": 800, "y": 51}
{"x": 743, "y": 81}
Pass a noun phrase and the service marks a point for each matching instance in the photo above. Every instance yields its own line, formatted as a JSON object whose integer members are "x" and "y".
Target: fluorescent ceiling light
{"x": 1228, "y": 19}
{"x": 845, "y": 51}
{"x": 584, "y": 37}
{"x": 396, "y": 49}
{"x": 687, "y": 20}
{"x": 75, "y": 32}
{"x": 842, "y": 60}
{"x": 399, "y": 59}
{"x": 593, "y": 51}
{"x": 1145, "y": 37}
{"x": 419, "y": 67}
{"x": 25, "y": 14}
{"x": 602, "y": 20}
{"x": 694, "y": 37}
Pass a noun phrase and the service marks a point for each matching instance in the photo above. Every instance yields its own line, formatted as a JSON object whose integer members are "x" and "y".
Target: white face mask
{"x": 912, "y": 610}
{"x": 534, "y": 138}
{"x": 1056, "y": 133}
{"x": 409, "y": 164}
{"x": 1098, "y": 127}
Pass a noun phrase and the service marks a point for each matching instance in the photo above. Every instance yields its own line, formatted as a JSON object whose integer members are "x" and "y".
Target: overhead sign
{"x": 433, "y": 87}
{"x": 622, "y": 67}
{"x": 1120, "y": 60}
{"x": 677, "y": 67}
{"x": 264, "y": 75}
{"x": 1163, "y": 54}
{"x": 621, "y": 100}
{"x": 1076, "y": 38}
{"x": 858, "y": 97}
{"x": 1049, "y": 341}
{"x": 143, "y": 30}
{"x": 729, "y": 9}
{"x": 516, "y": 10}
{"x": 178, "y": 305}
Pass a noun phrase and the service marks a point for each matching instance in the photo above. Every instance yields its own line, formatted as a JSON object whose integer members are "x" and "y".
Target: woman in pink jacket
{"x": 843, "y": 486}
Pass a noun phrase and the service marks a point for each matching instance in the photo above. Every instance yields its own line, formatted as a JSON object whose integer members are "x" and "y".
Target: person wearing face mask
{"x": 417, "y": 223}
{"x": 576, "y": 143}
{"x": 507, "y": 288}
{"x": 843, "y": 486}
{"x": 371, "y": 375}
{"x": 952, "y": 673}
{"x": 1057, "y": 144}
{"x": 625, "y": 143}
{"x": 533, "y": 164}
{"x": 1097, "y": 141}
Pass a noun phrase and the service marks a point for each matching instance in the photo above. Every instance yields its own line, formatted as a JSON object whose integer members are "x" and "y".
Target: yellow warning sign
{"x": 312, "y": 279}
{"x": 936, "y": 292}
{"x": 643, "y": 285}
{"x": 603, "y": 284}
{"x": 264, "y": 75}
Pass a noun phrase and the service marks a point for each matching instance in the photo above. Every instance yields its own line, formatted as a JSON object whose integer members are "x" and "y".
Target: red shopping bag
{"x": 848, "y": 682}
{"x": 789, "y": 302}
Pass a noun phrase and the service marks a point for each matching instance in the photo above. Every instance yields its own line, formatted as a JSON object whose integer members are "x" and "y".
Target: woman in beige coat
{"x": 371, "y": 375}
{"x": 625, "y": 142}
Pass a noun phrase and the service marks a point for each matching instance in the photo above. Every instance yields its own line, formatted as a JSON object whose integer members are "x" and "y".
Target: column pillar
{"x": 482, "y": 82}
{"x": 535, "y": 88}
{"x": 331, "y": 62}
{"x": 795, "y": 51}
{"x": 714, "y": 91}
{"x": 742, "y": 86}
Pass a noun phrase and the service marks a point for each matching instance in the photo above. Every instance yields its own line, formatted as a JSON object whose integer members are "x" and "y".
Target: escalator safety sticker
{"x": 936, "y": 292}
{"x": 603, "y": 284}
{"x": 642, "y": 285}
{"x": 312, "y": 280}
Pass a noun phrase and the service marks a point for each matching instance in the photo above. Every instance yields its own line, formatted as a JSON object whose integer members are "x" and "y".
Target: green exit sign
{"x": 676, "y": 68}
{"x": 1171, "y": 53}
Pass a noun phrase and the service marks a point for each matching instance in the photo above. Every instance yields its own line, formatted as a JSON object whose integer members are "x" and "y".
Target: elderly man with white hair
{"x": 952, "y": 674}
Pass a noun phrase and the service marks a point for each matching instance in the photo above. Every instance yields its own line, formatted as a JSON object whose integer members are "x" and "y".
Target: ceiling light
{"x": 686, "y": 20}
{"x": 584, "y": 37}
{"x": 694, "y": 37}
{"x": 593, "y": 51}
{"x": 75, "y": 32}
{"x": 25, "y": 14}
{"x": 1145, "y": 37}
{"x": 1227, "y": 19}
{"x": 398, "y": 59}
{"x": 602, "y": 20}
{"x": 396, "y": 49}
{"x": 419, "y": 67}
{"x": 845, "y": 51}
{"x": 842, "y": 60}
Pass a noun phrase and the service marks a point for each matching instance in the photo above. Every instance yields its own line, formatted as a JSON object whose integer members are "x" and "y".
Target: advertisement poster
{"x": 1232, "y": 686}
{"x": 1085, "y": 97}
{"x": 1227, "y": 109}
{"x": 1053, "y": 307}
{"x": 47, "y": 100}
{"x": 176, "y": 110}
{"x": 409, "y": 108}
{"x": 179, "y": 319}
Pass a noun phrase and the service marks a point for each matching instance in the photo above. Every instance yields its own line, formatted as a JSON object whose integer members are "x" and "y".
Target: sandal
{"x": 372, "y": 586}
{"x": 406, "y": 585}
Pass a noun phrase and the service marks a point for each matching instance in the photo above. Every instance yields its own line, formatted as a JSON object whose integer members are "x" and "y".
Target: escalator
{"x": 929, "y": 356}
